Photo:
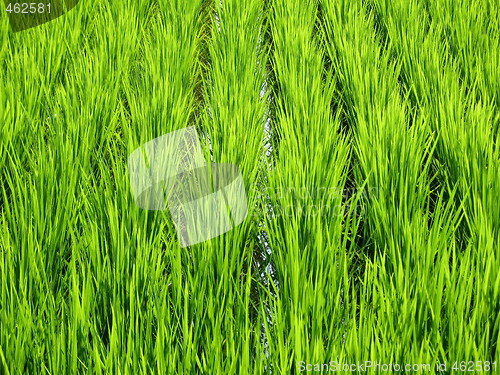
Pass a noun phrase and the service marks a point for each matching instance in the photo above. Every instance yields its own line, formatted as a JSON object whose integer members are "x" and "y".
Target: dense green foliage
{"x": 367, "y": 133}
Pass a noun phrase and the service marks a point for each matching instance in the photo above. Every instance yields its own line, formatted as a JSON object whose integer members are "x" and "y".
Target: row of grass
{"x": 467, "y": 157}
{"x": 400, "y": 291}
{"x": 307, "y": 217}
{"x": 232, "y": 123}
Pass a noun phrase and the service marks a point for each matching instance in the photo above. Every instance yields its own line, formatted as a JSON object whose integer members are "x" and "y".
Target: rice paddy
{"x": 367, "y": 136}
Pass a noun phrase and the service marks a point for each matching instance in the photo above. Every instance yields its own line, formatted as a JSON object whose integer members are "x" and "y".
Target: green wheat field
{"x": 367, "y": 135}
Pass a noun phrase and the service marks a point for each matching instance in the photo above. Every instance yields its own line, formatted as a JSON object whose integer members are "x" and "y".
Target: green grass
{"x": 367, "y": 134}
